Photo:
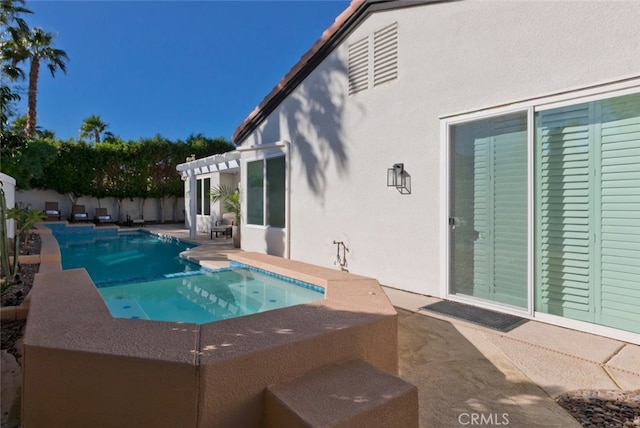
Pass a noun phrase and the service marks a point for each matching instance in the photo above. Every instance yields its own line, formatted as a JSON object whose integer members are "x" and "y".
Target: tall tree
{"x": 92, "y": 127}
{"x": 11, "y": 25}
{"x": 35, "y": 46}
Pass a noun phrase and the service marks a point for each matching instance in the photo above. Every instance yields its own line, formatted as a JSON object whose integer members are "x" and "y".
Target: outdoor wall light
{"x": 395, "y": 176}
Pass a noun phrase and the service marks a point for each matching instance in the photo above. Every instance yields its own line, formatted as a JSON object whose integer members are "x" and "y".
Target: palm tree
{"x": 9, "y": 10}
{"x": 11, "y": 24}
{"x": 35, "y": 46}
{"x": 230, "y": 199}
{"x": 92, "y": 127}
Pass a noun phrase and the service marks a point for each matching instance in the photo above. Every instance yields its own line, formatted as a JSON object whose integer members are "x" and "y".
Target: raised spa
{"x": 83, "y": 367}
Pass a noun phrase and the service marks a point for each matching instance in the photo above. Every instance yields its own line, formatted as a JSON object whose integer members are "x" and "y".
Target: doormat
{"x": 484, "y": 317}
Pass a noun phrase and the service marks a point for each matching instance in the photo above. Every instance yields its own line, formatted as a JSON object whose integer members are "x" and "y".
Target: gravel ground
{"x": 599, "y": 408}
{"x": 11, "y": 331}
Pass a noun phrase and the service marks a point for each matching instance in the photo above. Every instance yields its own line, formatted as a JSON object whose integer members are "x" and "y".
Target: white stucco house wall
{"x": 8, "y": 184}
{"x": 514, "y": 128}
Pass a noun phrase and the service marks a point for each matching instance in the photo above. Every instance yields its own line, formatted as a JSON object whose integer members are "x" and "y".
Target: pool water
{"x": 142, "y": 276}
{"x": 205, "y": 296}
{"x": 124, "y": 257}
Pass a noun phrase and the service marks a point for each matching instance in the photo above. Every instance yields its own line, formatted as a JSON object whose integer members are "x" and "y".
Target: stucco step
{"x": 353, "y": 394}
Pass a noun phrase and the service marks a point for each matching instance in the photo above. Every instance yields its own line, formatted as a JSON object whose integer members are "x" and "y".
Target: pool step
{"x": 126, "y": 308}
{"x": 353, "y": 394}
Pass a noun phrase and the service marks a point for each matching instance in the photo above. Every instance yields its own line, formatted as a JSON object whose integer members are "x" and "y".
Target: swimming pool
{"x": 206, "y": 296}
{"x": 142, "y": 276}
{"x": 119, "y": 258}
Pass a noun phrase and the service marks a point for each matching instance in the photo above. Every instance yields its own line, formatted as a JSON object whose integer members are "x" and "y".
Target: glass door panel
{"x": 488, "y": 209}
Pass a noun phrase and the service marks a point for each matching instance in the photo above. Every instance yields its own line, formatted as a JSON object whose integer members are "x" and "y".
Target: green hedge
{"x": 114, "y": 168}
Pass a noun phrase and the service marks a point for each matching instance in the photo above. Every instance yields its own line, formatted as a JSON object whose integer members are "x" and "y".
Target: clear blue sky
{"x": 172, "y": 68}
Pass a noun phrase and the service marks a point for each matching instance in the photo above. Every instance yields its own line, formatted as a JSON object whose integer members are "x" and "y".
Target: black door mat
{"x": 484, "y": 317}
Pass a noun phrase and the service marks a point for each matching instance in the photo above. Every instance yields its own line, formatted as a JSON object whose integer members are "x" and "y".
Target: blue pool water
{"x": 141, "y": 276}
{"x": 206, "y": 296}
{"x": 121, "y": 258}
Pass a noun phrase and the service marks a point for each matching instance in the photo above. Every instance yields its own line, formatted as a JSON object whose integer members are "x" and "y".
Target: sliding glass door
{"x": 488, "y": 223}
{"x": 588, "y": 212}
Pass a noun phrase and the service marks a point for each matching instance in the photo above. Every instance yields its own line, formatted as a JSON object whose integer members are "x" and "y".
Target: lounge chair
{"x": 221, "y": 228}
{"x": 51, "y": 211}
{"x": 102, "y": 217}
{"x": 78, "y": 213}
{"x": 135, "y": 218}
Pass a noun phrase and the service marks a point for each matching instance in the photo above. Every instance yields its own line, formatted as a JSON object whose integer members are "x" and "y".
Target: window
{"x": 203, "y": 196}
{"x": 266, "y": 192}
{"x": 255, "y": 192}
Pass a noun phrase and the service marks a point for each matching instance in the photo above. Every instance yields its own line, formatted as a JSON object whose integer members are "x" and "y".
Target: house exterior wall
{"x": 454, "y": 57}
{"x": 9, "y": 187}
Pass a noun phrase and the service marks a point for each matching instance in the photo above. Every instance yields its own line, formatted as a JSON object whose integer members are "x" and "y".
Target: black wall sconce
{"x": 397, "y": 177}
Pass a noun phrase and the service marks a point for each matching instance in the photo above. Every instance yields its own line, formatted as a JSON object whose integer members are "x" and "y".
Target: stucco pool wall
{"x": 84, "y": 368}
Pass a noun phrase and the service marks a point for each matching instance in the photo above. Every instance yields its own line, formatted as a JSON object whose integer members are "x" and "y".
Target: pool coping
{"x": 135, "y": 362}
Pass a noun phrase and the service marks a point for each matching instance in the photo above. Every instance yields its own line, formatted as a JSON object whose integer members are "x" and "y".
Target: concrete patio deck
{"x": 464, "y": 371}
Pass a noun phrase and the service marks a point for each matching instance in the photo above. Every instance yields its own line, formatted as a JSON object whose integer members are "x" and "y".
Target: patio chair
{"x": 51, "y": 211}
{"x": 220, "y": 227}
{"x": 102, "y": 217}
{"x": 134, "y": 217}
{"x": 78, "y": 213}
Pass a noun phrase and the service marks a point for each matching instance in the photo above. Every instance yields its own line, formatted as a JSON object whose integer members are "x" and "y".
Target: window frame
{"x": 203, "y": 195}
{"x": 265, "y": 190}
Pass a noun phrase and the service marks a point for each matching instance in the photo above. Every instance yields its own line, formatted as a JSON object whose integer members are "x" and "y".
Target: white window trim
{"x": 202, "y": 178}
{"x": 553, "y": 100}
{"x": 263, "y": 157}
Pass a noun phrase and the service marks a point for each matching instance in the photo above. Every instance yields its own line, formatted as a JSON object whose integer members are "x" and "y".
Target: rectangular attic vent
{"x": 359, "y": 66}
{"x": 385, "y": 54}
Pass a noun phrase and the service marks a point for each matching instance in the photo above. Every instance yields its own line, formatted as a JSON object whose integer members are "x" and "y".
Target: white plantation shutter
{"x": 588, "y": 215}
{"x": 563, "y": 234}
{"x": 619, "y": 181}
{"x": 499, "y": 202}
{"x": 482, "y": 205}
{"x": 509, "y": 186}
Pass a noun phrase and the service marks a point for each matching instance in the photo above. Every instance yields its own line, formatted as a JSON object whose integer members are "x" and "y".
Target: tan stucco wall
{"x": 35, "y": 198}
{"x": 84, "y": 368}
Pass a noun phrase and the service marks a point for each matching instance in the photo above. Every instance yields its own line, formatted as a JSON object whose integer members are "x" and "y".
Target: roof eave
{"x": 330, "y": 39}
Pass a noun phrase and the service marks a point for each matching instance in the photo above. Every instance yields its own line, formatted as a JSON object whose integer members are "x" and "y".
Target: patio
{"x": 463, "y": 370}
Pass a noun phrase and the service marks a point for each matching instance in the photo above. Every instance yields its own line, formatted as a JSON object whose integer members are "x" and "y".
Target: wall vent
{"x": 359, "y": 66}
{"x": 385, "y": 54}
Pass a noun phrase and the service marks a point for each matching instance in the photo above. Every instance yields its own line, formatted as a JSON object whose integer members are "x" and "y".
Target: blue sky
{"x": 172, "y": 68}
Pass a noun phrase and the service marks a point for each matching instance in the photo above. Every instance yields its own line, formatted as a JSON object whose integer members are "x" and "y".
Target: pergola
{"x": 228, "y": 162}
